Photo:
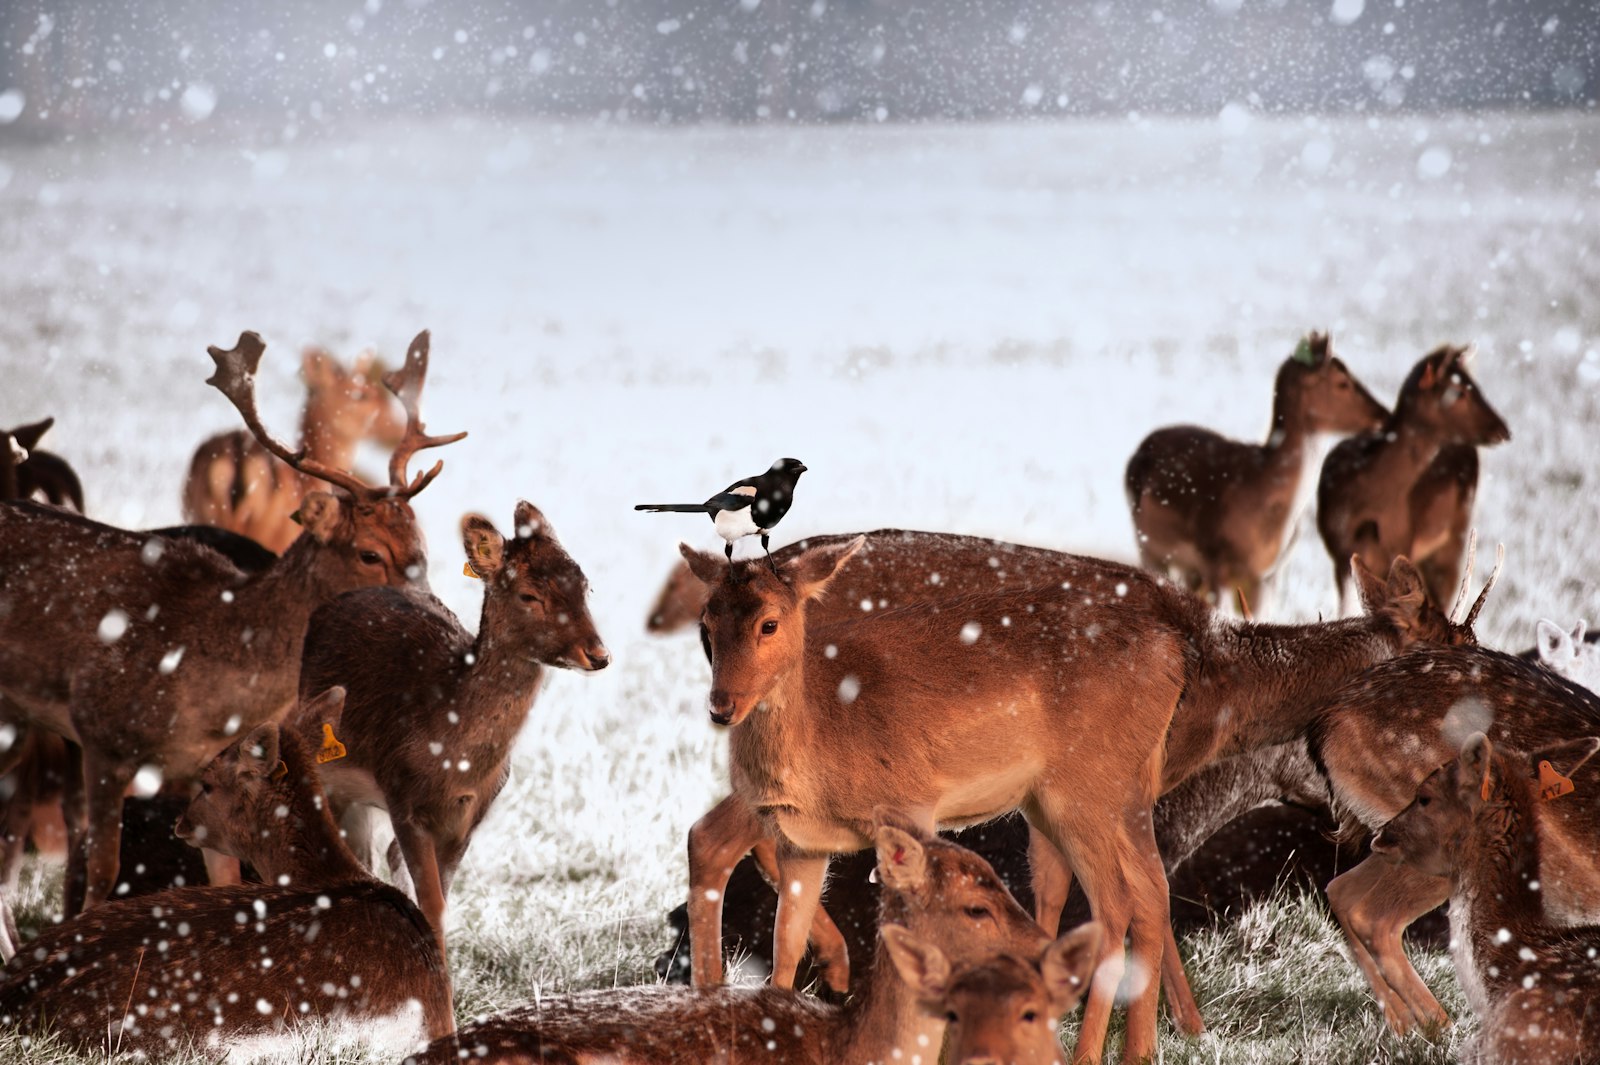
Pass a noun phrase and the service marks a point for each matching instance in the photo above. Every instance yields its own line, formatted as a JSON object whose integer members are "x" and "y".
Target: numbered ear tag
{"x": 466, "y": 568}
{"x": 1552, "y": 785}
{"x": 332, "y": 749}
{"x": 280, "y": 770}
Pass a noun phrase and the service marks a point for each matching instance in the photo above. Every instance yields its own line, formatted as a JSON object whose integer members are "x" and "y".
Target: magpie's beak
{"x": 800, "y": 468}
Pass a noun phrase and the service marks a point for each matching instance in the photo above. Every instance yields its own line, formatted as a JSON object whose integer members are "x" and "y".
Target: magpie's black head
{"x": 793, "y": 467}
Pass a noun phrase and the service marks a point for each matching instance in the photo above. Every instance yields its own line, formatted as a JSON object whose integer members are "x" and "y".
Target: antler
{"x": 1499, "y": 561}
{"x": 406, "y": 383}
{"x": 1466, "y": 576}
{"x": 236, "y": 379}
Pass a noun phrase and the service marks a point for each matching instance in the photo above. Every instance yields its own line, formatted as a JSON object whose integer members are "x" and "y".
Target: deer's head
{"x": 753, "y": 626}
{"x": 1325, "y": 390}
{"x": 351, "y": 404}
{"x": 534, "y": 593}
{"x": 1440, "y": 395}
{"x": 678, "y": 606}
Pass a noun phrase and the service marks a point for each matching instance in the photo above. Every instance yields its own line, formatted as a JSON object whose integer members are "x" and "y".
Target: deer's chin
{"x": 184, "y": 829}
{"x": 732, "y": 718}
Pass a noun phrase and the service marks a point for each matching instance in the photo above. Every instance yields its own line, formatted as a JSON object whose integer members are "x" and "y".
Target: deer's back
{"x": 360, "y": 948}
{"x": 1188, "y": 467}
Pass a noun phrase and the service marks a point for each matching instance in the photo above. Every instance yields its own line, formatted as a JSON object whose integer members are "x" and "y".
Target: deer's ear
{"x": 531, "y": 524}
{"x": 1476, "y": 762}
{"x": 258, "y": 751}
{"x": 28, "y": 435}
{"x": 1405, "y": 596}
{"x": 708, "y": 567}
{"x": 1068, "y": 964}
{"x": 810, "y": 574}
{"x": 1555, "y": 646}
{"x": 319, "y": 369}
{"x": 1371, "y": 587}
{"x": 902, "y": 863}
{"x": 922, "y": 966}
{"x": 321, "y": 514}
{"x": 484, "y": 545}
{"x": 326, "y": 707}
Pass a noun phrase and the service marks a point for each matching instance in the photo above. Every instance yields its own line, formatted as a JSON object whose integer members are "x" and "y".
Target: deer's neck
{"x": 323, "y": 440}
{"x": 1497, "y": 879}
{"x": 1286, "y": 441}
{"x": 1251, "y": 686}
{"x": 303, "y": 844}
{"x": 274, "y": 607}
{"x": 883, "y": 1022}
{"x": 766, "y": 742}
{"x": 1408, "y": 450}
{"x": 500, "y": 683}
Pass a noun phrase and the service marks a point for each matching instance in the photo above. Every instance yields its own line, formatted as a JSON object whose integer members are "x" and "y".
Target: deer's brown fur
{"x": 1215, "y": 510}
{"x": 1479, "y": 821}
{"x": 26, "y": 472}
{"x": 237, "y": 484}
{"x": 198, "y": 965}
{"x": 935, "y": 889}
{"x": 1407, "y": 488}
{"x": 433, "y": 711}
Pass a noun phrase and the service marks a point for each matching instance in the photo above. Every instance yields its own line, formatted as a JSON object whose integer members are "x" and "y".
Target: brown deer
{"x": 934, "y": 889}
{"x": 1242, "y": 686}
{"x": 196, "y": 966}
{"x": 1407, "y": 488}
{"x": 1214, "y": 510}
{"x": 238, "y": 483}
{"x": 1382, "y": 733}
{"x": 27, "y": 472}
{"x": 146, "y": 651}
{"x": 1003, "y": 1011}
{"x": 433, "y": 711}
{"x": 1478, "y": 822}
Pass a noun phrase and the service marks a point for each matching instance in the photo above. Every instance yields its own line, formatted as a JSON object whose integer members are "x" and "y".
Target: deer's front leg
{"x": 828, "y": 949}
{"x": 105, "y": 783}
{"x": 716, "y": 843}
{"x": 423, "y": 862}
{"x": 800, "y": 878}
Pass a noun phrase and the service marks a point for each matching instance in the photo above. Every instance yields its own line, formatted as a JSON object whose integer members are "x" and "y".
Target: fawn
{"x": 432, "y": 711}
{"x": 1215, "y": 510}
{"x": 932, "y": 888}
{"x": 1382, "y": 733}
{"x": 1575, "y": 655}
{"x": 195, "y": 966}
{"x": 236, "y": 483}
{"x": 1003, "y": 1011}
{"x": 154, "y": 652}
{"x": 1407, "y": 487}
{"x": 1479, "y": 821}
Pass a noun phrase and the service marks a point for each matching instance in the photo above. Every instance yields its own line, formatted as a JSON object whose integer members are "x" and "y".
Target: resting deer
{"x": 319, "y": 939}
{"x": 932, "y": 889}
{"x": 146, "y": 651}
{"x": 1380, "y": 735}
{"x": 27, "y": 472}
{"x": 1479, "y": 822}
{"x": 1003, "y": 1011}
{"x": 1215, "y": 510}
{"x": 1575, "y": 655}
{"x": 239, "y": 484}
{"x": 1407, "y": 488}
{"x": 432, "y": 711}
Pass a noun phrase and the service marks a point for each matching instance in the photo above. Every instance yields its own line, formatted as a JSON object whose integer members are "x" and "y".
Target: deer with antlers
{"x": 1215, "y": 510}
{"x": 319, "y": 939}
{"x": 1481, "y": 823}
{"x": 149, "y": 652}
{"x": 238, "y": 483}
{"x": 933, "y": 890}
{"x": 433, "y": 711}
{"x": 1407, "y": 488}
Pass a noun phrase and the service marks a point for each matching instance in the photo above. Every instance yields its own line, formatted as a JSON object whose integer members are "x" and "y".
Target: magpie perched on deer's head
{"x": 750, "y": 507}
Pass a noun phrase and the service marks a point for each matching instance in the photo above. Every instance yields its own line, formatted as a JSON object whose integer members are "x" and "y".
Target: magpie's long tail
{"x": 674, "y": 508}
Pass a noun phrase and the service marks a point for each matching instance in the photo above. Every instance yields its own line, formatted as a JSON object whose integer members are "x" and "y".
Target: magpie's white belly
{"x": 732, "y": 524}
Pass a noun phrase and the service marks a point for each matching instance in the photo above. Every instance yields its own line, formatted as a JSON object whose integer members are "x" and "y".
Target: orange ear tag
{"x": 332, "y": 749}
{"x": 280, "y": 770}
{"x": 466, "y": 568}
{"x": 1553, "y": 785}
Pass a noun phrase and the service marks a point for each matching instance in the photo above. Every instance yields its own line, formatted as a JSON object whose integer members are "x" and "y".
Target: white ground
{"x": 957, "y": 328}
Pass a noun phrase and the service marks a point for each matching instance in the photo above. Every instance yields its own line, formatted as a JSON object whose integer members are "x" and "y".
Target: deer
{"x": 1575, "y": 655}
{"x": 237, "y": 483}
{"x": 319, "y": 939}
{"x": 27, "y": 472}
{"x": 1479, "y": 823}
{"x": 1242, "y": 686}
{"x": 1407, "y": 488}
{"x": 1215, "y": 511}
{"x": 1002, "y": 1011}
{"x": 432, "y": 712}
{"x": 1379, "y": 736}
{"x": 933, "y": 889}
{"x": 153, "y": 652}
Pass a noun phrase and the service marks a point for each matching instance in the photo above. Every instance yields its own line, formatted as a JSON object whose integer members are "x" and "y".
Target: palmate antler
{"x": 236, "y": 379}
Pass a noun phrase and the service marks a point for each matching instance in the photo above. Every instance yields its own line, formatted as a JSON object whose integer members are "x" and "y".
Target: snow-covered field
{"x": 957, "y": 328}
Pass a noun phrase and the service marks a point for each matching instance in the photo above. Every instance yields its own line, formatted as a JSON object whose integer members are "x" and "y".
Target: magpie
{"x": 749, "y": 507}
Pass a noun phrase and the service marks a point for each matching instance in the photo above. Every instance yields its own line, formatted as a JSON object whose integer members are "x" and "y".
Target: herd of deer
{"x": 875, "y": 688}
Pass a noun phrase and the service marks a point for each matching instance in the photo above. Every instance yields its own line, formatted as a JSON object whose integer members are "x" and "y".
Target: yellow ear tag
{"x": 332, "y": 749}
{"x": 1552, "y": 785}
{"x": 466, "y": 568}
{"x": 280, "y": 770}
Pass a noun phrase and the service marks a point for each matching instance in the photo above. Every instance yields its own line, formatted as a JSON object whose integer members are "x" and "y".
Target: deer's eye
{"x": 528, "y": 597}
{"x": 370, "y": 558}
{"x": 950, "y": 1016}
{"x": 768, "y": 628}
{"x": 977, "y": 913}
{"x": 1423, "y": 801}
{"x": 1029, "y": 1016}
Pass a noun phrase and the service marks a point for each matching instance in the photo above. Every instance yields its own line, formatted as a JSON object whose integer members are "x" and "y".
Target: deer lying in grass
{"x": 432, "y": 711}
{"x": 1407, "y": 488}
{"x": 27, "y": 472}
{"x": 1215, "y": 510}
{"x": 1479, "y": 821}
{"x": 320, "y": 939}
{"x": 151, "y": 652}
{"x": 933, "y": 889}
{"x": 1378, "y": 737}
{"x": 237, "y": 483}
{"x": 1575, "y": 655}
{"x": 1003, "y": 1011}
